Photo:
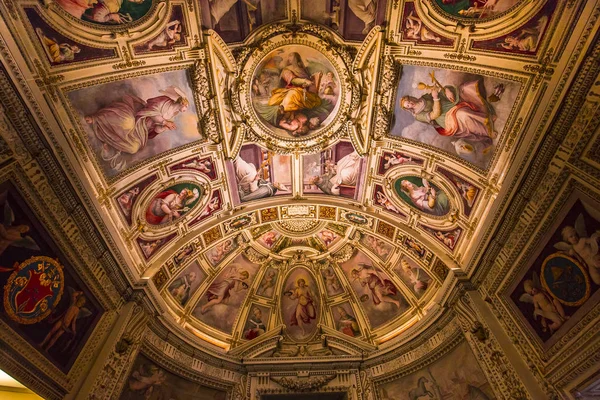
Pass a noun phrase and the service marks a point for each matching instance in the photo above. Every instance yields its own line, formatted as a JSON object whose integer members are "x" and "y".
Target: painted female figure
{"x": 170, "y": 205}
{"x": 305, "y": 308}
{"x": 219, "y": 292}
{"x": 426, "y": 197}
{"x": 126, "y": 125}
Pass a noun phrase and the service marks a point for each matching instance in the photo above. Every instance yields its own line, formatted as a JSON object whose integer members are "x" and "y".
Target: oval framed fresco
{"x": 420, "y": 194}
{"x": 111, "y": 14}
{"x": 173, "y": 203}
{"x": 295, "y": 91}
{"x": 300, "y": 308}
{"x": 476, "y": 10}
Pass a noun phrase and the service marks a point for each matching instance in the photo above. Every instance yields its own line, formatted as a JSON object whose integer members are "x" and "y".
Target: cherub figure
{"x": 415, "y": 29}
{"x": 234, "y": 280}
{"x": 126, "y": 200}
{"x": 67, "y": 322}
{"x": 395, "y": 159}
{"x": 420, "y": 285}
{"x": 212, "y": 205}
{"x": 386, "y": 203}
{"x": 58, "y": 52}
{"x": 145, "y": 378}
{"x": 202, "y": 166}
{"x": 331, "y": 282}
{"x": 268, "y": 284}
{"x": 169, "y": 36}
{"x": 545, "y": 306}
{"x": 13, "y": 235}
{"x": 577, "y": 244}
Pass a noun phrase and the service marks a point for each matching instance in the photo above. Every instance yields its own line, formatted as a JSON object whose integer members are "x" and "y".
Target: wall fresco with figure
{"x": 45, "y": 302}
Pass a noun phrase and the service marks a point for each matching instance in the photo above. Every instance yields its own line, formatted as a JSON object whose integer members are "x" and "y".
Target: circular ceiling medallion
{"x": 477, "y": 10}
{"x": 295, "y": 91}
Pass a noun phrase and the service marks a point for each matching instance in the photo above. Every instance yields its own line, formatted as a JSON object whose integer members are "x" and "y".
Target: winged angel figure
{"x": 13, "y": 235}
{"x": 298, "y": 102}
{"x": 578, "y": 244}
{"x": 546, "y": 307}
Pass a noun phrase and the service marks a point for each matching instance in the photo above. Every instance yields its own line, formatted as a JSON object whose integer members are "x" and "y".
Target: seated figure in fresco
{"x": 250, "y": 185}
{"x": 180, "y": 288}
{"x": 58, "y": 52}
{"x": 170, "y": 35}
{"x": 170, "y": 205}
{"x": 426, "y": 197}
{"x": 126, "y": 125}
{"x": 460, "y": 112}
{"x": 366, "y": 11}
{"x": 345, "y": 172}
{"x": 104, "y": 11}
{"x": 257, "y": 326}
{"x": 381, "y": 288}
{"x": 347, "y": 324}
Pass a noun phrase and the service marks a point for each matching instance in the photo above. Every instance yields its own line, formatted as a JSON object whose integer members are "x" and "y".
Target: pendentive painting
{"x": 45, "y": 302}
{"x": 259, "y": 173}
{"x": 295, "y": 91}
{"x": 442, "y": 380}
{"x": 220, "y": 304}
{"x": 461, "y": 113}
{"x": 147, "y": 380}
{"x": 476, "y": 9}
{"x": 335, "y": 171}
{"x": 353, "y": 19}
{"x": 233, "y": 20}
{"x": 300, "y": 308}
{"x": 132, "y": 120}
{"x": 186, "y": 283}
{"x": 378, "y": 295}
{"x": 562, "y": 283}
{"x": 106, "y": 12}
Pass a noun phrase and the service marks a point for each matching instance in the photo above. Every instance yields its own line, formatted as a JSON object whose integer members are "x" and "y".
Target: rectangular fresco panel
{"x": 221, "y": 250}
{"x": 257, "y": 321}
{"x": 45, "y": 301}
{"x": 129, "y": 121}
{"x": 345, "y": 319}
{"x": 186, "y": 283}
{"x": 415, "y": 277}
{"x": 443, "y": 380}
{"x": 268, "y": 282}
{"x": 258, "y": 173}
{"x": 233, "y": 20}
{"x": 173, "y": 34}
{"x": 220, "y": 304}
{"x": 472, "y": 113}
{"x": 562, "y": 283}
{"x": 335, "y": 171}
{"x": 147, "y": 380}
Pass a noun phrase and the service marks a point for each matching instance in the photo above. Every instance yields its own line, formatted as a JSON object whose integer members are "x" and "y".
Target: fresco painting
{"x": 186, "y": 283}
{"x": 415, "y": 29}
{"x": 345, "y": 319}
{"x": 468, "y": 191}
{"x": 61, "y": 50}
{"x": 220, "y": 304}
{"x": 390, "y": 160}
{"x": 214, "y": 204}
{"x": 268, "y": 239}
{"x": 173, "y": 203}
{"x": 419, "y": 193}
{"x": 129, "y": 121}
{"x": 233, "y": 20}
{"x": 476, "y": 9}
{"x": 562, "y": 283}
{"x": 147, "y": 380}
{"x": 55, "y": 318}
{"x": 382, "y": 200}
{"x": 415, "y": 277}
{"x": 173, "y": 34}
{"x": 268, "y": 283}
{"x": 463, "y": 114}
{"x": 127, "y": 199}
{"x": 353, "y": 19}
{"x": 221, "y": 250}
{"x": 260, "y": 173}
{"x": 106, "y": 12}
{"x": 295, "y": 91}
{"x": 150, "y": 247}
{"x": 524, "y": 40}
{"x": 382, "y": 249}
{"x": 335, "y": 171}
{"x": 378, "y": 295}
{"x": 332, "y": 283}
{"x": 257, "y": 321}
{"x": 329, "y": 238}
{"x": 300, "y": 306}
{"x": 205, "y": 165}
{"x": 442, "y": 380}
{"x": 448, "y": 238}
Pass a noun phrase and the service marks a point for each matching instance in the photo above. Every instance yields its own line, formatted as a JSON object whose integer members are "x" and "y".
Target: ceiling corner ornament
{"x": 303, "y": 385}
{"x": 294, "y": 89}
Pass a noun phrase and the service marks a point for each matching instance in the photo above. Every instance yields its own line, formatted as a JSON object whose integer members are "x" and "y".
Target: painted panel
{"x": 173, "y": 34}
{"x": 414, "y": 29}
{"x": 173, "y": 203}
{"x": 442, "y": 380}
{"x": 300, "y": 308}
{"x": 419, "y": 193}
{"x": 415, "y": 277}
{"x": 221, "y": 250}
{"x": 331, "y": 281}
{"x": 257, "y": 321}
{"x": 129, "y": 121}
{"x": 220, "y": 304}
{"x": 476, "y": 9}
{"x": 106, "y": 12}
{"x": 147, "y": 380}
{"x": 186, "y": 283}
{"x": 378, "y": 295}
{"x": 266, "y": 288}
{"x": 562, "y": 283}
{"x": 382, "y": 249}
{"x": 45, "y": 302}
{"x": 345, "y": 319}
{"x": 473, "y": 111}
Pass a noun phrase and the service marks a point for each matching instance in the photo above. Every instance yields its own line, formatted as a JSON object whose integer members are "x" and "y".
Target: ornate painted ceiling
{"x": 267, "y": 166}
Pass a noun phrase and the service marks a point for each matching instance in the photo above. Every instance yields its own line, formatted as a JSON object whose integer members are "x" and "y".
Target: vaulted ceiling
{"x": 298, "y": 165}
